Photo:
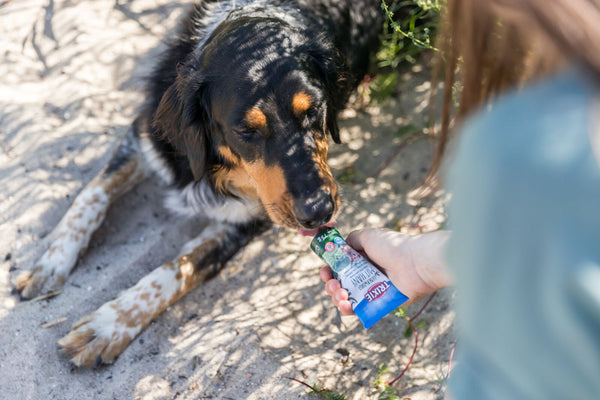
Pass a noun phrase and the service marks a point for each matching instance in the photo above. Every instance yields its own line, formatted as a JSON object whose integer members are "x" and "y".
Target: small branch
{"x": 390, "y": 383}
{"x": 415, "y": 334}
{"x": 423, "y": 308}
{"x": 299, "y": 381}
{"x": 449, "y": 369}
{"x": 54, "y": 323}
{"x": 45, "y": 296}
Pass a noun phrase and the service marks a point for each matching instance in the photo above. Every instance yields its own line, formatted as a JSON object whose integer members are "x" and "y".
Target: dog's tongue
{"x": 313, "y": 232}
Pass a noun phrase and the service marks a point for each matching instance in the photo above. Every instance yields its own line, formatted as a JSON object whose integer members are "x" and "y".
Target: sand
{"x": 70, "y": 80}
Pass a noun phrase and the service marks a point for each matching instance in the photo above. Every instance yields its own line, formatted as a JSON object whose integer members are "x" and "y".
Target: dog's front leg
{"x": 102, "y": 335}
{"x": 72, "y": 234}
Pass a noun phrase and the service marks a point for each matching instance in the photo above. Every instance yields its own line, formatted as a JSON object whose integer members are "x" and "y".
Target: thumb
{"x": 354, "y": 240}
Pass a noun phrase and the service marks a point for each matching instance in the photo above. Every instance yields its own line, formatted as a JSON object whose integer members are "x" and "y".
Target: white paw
{"x": 102, "y": 335}
{"x": 39, "y": 280}
{"x": 99, "y": 337}
{"x": 50, "y": 272}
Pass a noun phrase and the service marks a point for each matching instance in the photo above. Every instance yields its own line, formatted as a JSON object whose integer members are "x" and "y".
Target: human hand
{"x": 414, "y": 264}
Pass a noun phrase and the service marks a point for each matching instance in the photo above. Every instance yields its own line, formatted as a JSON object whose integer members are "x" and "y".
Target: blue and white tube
{"x": 370, "y": 292}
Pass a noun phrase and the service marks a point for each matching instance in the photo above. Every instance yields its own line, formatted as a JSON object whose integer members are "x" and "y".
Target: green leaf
{"x": 382, "y": 369}
{"x": 421, "y": 324}
{"x": 408, "y": 331}
{"x": 388, "y": 393}
{"x": 400, "y": 312}
{"x": 406, "y": 129}
{"x": 325, "y": 394}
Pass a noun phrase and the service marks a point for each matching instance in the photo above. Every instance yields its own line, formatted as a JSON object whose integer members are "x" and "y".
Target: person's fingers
{"x": 326, "y": 274}
{"x": 345, "y": 307}
{"x": 340, "y": 299}
{"x": 331, "y": 286}
{"x": 340, "y": 294}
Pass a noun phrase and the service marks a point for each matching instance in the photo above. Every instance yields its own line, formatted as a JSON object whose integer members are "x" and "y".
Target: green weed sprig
{"x": 324, "y": 394}
{"x": 426, "y": 7}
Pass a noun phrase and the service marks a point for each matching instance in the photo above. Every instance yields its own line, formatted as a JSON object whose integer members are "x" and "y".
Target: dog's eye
{"x": 313, "y": 115}
{"x": 247, "y": 134}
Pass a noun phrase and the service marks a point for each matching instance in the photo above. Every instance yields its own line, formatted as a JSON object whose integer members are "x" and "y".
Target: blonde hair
{"x": 488, "y": 46}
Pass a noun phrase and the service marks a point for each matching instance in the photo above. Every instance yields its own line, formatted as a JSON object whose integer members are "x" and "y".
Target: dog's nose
{"x": 315, "y": 211}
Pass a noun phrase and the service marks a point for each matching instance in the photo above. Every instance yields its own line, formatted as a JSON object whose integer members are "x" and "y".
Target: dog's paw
{"x": 98, "y": 338}
{"x": 51, "y": 271}
{"x": 32, "y": 283}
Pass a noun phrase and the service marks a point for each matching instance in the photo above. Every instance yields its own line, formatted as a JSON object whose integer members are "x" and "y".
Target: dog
{"x": 236, "y": 120}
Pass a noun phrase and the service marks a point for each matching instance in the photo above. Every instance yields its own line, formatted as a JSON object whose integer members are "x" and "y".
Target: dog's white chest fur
{"x": 199, "y": 198}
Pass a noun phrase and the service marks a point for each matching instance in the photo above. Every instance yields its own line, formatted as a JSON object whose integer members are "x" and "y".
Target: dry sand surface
{"x": 70, "y": 74}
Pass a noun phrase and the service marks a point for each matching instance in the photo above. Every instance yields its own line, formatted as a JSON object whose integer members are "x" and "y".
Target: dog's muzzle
{"x": 316, "y": 210}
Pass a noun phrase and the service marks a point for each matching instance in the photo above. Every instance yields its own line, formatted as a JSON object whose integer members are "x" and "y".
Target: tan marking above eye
{"x": 255, "y": 118}
{"x": 301, "y": 103}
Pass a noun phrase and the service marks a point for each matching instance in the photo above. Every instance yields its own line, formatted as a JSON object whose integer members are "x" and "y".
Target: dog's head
{"x": 252, "y": 109}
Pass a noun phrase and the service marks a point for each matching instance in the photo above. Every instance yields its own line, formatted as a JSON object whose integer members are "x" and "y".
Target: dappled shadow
{"x": 72, "y": 72}
{"x": 266, "y": 316}
{"x": 136, "y": 14}
{"x": 62, "y": 112}
{"x": 64, "y": 107}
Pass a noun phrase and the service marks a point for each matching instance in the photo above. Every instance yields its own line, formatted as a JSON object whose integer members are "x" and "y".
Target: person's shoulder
{"x": 535, "y": 123}
{"x": 552, "y": 98}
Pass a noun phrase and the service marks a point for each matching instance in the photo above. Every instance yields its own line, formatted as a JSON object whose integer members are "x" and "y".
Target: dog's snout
{"x": 316, "y": 210}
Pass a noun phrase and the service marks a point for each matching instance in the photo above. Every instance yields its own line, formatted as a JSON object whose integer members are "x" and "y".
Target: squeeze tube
{"x": 370, "y": 291}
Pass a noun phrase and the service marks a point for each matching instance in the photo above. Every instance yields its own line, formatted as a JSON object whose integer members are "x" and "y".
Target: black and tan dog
{"x": 238, "y": 113}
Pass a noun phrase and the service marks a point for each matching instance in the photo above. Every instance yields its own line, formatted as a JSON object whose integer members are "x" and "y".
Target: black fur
{"x": 238, "y": 110}
{"x": 204, "y": 71}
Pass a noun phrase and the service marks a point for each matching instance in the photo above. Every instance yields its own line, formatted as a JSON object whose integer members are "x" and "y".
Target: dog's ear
{"x": 332, "y": 70}
{"x": 332, "y": 125}
{"x": 183, "y": 119}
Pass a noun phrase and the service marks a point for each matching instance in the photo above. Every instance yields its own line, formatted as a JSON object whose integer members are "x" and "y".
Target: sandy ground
{"x": 70, "y": 74}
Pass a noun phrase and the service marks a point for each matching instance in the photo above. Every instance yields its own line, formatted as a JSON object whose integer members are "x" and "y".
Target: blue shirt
{"x": 525, "y": 248}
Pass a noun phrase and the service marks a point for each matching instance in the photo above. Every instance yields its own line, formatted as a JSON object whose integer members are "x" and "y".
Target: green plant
{"x": 385, "y": 392}
{"x": 350, "y": 175}
{"x": 408, "y": 129}
{"x": 321, "y": 393}
{"x": 411, "y": 329}
{"x": 383, "y": 86}
{"x": 407, "y": 31}
{"x": 400, "y": 312}
{"x": 325, "y": 394}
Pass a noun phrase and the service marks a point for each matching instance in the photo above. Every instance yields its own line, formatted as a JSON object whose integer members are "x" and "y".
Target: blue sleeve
{"x": 526, "y": 247}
